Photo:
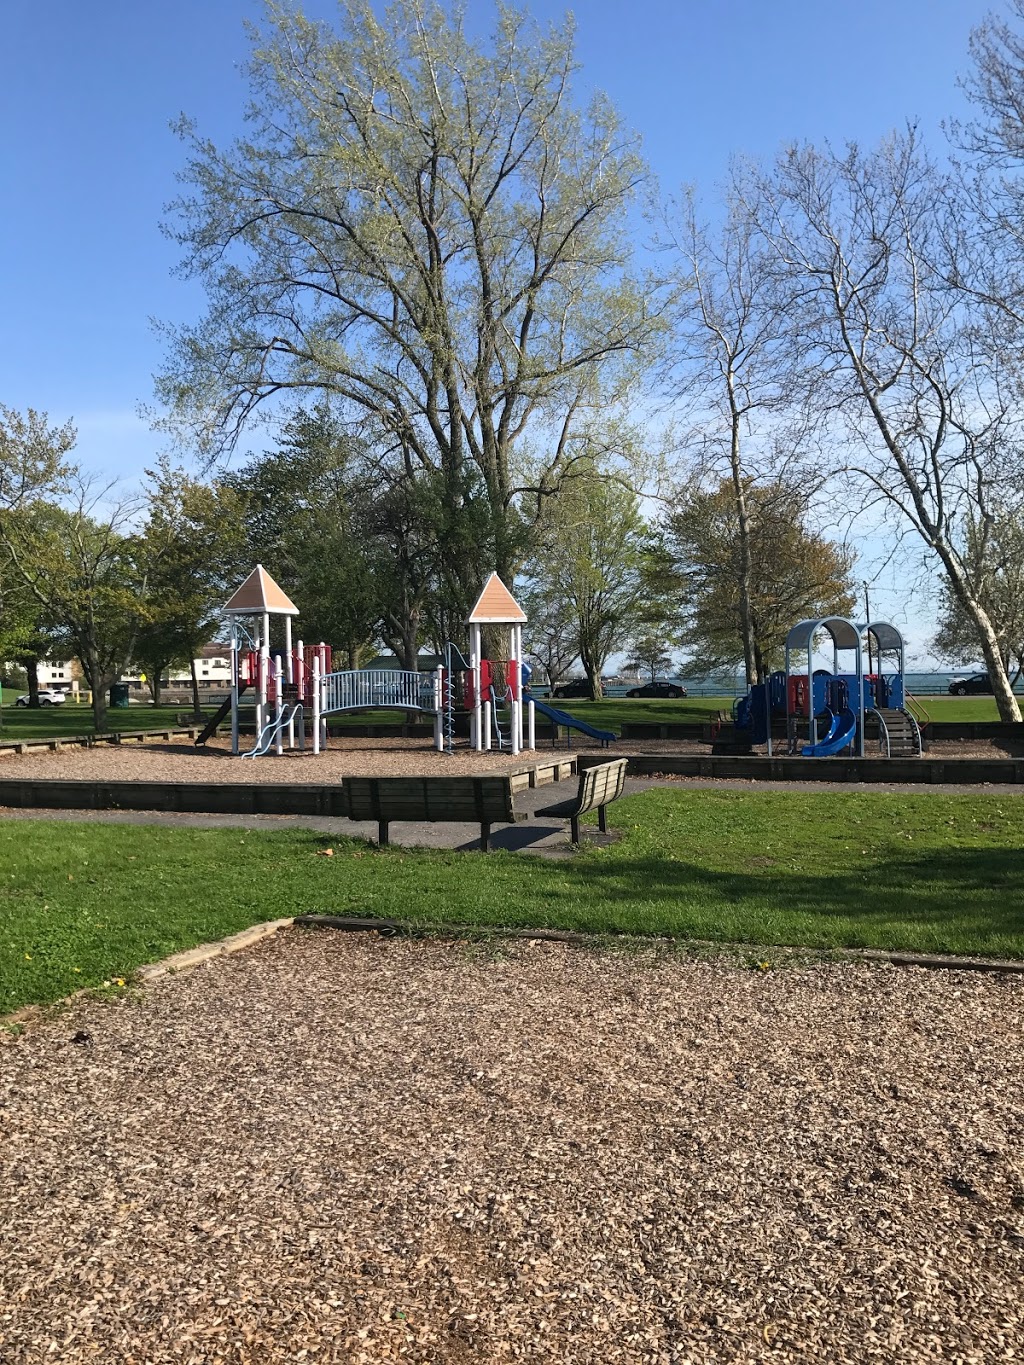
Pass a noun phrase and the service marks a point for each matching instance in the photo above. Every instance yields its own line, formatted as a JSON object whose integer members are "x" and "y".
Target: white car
{"x": 48, "y": 696}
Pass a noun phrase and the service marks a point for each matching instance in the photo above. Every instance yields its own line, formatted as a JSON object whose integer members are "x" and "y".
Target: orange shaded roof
{"x": 496, "y": 605}
{"x": 258, "y": 594}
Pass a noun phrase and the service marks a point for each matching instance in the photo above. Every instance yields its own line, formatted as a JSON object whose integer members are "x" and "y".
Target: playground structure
{"x": 827, "y": 711}
{"x": 297, "y": 688}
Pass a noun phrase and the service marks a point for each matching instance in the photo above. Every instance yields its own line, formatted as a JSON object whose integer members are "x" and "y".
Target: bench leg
{"x": 382, "y": 833}
{"x": 602, "y": 819}
{"x": 574, "y": 826}
{"x": 485, "y": 838}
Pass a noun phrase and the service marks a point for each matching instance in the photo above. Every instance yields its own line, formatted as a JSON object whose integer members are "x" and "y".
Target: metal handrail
{"x": 378, "y": 688}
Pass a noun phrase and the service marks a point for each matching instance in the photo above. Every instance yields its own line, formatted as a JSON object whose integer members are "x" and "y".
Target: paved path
{"x": 540, "y": 835}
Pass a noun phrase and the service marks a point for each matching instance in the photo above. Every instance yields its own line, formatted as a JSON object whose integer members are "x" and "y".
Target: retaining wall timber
{"x": 951, "y": 771}
{"x": 209, "y": 798}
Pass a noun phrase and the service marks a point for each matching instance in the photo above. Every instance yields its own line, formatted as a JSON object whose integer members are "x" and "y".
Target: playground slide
{"x": 223, "y": 710}
{"x": 840, "y": 734}
{"x": 268, "y": 736}
{"x": 563, "y": 718}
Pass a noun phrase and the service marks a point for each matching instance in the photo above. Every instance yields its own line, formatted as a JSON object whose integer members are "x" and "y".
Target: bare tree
{"x": 735, "y": 375}
{"x": 918, "y": 401}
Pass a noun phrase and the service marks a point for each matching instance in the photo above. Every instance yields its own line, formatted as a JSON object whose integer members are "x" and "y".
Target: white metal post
{"x": 322, "y": 648}
{"x": 316, "y": 701}
{"x": 477, "y": 738}
{"x": 262, "y": 716}
{"x": 234, "y": 685}
{"x": 439, "y": 708}
{"x": 485, "y": 716}
{"x": 518, "y": 637}
{"x": 531, "y": 716}
{"x": 279, "y": 706}
{"x": 289, "y": 664}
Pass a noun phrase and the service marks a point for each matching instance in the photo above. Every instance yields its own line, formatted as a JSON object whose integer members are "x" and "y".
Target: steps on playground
{"x": 901, "y": 728}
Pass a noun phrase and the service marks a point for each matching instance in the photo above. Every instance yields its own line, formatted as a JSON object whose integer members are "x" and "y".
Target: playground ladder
{"x": 898, "y": 733}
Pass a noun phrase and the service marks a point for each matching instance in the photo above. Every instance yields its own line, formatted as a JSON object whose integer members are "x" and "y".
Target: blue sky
{"x": 88, "y": 160}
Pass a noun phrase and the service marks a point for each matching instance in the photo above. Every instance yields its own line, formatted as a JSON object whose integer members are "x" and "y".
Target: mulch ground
{"x": 181, "y": 761}
{"x": 337, "y": 1148}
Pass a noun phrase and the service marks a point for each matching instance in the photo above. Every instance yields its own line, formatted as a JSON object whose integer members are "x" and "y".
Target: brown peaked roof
{"x": 259, "y": 593}
{"x": 496, "y": 605}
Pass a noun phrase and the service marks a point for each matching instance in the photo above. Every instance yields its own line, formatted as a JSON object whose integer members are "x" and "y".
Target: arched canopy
{"x": 845, "y": 635}
{"x": 886, "y": 637}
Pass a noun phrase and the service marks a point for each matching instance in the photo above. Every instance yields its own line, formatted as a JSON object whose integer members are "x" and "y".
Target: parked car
{"x": 978, "y": 682}
{"x": 658, "y": 689}
{"x": 575, "y": 687}
{"x": 48, "y": 696}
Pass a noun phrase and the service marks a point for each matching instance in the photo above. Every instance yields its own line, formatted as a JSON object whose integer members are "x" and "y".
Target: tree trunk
{"x": 1006, "y": 702}
{"x": 750, "y": 660}
{"x": 196, "y": 709}
{"x": 98, "y": 684}
{"x": 32, "y": 674}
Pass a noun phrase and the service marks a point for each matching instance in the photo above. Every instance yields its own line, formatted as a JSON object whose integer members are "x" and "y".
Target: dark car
{"x": 658, "y": 689}
{"x": 962, "y": 687}
{"x": 575, "y": 687}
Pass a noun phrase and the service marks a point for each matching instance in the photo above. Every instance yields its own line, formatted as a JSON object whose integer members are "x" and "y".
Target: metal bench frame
{"x": 599, "y": 785}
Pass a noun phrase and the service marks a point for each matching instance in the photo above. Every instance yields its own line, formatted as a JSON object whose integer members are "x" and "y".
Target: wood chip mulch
{"x": 339, "y": 1148}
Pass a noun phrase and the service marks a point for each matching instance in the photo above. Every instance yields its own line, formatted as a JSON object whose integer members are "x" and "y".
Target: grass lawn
{"x": 82, "y": 904}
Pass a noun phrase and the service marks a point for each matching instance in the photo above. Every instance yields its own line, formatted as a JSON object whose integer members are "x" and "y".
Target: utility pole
{"x": 867, "y": 618}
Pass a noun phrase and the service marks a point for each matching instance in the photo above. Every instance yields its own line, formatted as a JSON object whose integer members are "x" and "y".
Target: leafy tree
{"x": 551, "y": 632}
{"x": 592, "y": 550}
{"x": 649, "y": 655}
{"x": 995, "y": 555}
{"x": 80, "y": 564}
{"x": 305, "y": 512}
{"x": 191, "y": 544}
{"x": 431, "y": 231}
{"x": 66, "y": 550}
{"x": 794, "y": 572}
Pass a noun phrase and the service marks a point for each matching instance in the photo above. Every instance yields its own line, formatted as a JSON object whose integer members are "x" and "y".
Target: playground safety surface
{"x": 181, "y": 761}
{"x": 373, "y": 1150}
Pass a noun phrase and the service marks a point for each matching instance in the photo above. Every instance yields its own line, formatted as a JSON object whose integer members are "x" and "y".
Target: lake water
{"x": 920, "y": 684}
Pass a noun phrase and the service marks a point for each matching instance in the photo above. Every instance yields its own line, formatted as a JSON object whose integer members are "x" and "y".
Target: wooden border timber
{"x": 229, "y": 798}
{"x": 57, "y": 742}
{"x": 927, "y": 771}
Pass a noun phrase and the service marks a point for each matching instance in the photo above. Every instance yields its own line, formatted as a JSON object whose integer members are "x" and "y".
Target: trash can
{"x": 119, "y": 695}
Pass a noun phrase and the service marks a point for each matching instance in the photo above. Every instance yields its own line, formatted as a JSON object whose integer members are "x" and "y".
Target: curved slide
{"x": 841, "y": 733}
{"x": 563, "y": 718}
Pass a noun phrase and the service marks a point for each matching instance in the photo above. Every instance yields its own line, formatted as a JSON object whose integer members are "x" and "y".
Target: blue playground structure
{"x": 830, "y": 711}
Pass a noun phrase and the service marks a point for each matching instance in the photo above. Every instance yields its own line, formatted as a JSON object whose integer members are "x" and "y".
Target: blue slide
{"x": 841, "y": 733}
{"x": 563, "y": 718}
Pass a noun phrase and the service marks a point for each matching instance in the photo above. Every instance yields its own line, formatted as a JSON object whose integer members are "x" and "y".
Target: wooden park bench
{"x": 599, "y": 785}
{"x": 485, "y": 801}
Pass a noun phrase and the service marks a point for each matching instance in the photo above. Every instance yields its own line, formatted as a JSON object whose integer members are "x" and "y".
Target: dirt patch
{"x": 368, "y": 1151}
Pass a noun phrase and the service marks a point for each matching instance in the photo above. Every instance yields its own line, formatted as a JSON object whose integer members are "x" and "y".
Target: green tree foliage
{"x": 995, "y": 555}
{"x": 794, "y": 572}
{"x": 429, "y": 229}
{"x": 191, "y": 546}
{"x": 306, "y": 516}
{"x": 591, "y": 558}
{"x": 649, "y": 655}
{"x": 81, "y": 565}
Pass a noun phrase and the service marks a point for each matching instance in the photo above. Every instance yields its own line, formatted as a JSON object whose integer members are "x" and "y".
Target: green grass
{"x": 83, "y": 904}
{"x": 613, "y": 711}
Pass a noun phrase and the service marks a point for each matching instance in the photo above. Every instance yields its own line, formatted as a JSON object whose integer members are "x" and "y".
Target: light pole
{"x": 867, "y": 618}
